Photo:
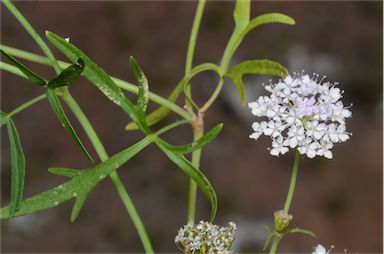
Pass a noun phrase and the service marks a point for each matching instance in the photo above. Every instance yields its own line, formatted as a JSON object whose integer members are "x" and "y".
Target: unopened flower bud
{"x": 281, "y": 220}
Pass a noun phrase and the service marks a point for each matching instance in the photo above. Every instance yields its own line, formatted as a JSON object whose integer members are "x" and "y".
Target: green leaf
{"x": 201, "y": 142}
{"x": 193, "y": 173}
{"x": 264, "y": 67}
{"x": 68, "y": 76}
{"x": 142, "y": 83}
{"x": 56, "y": 106}
{"x": 3, "y": 118}
{"x": 302, "y": 231}
{"x": 35, "y": 78}
{"x": 98, "y": 77}
{"x": 64, "y": 172}
{"x": 268, "y": 18}
{"x": 79, "y": 186}
{"x": 160, "y": 113}
{"x": 18, "y": 167}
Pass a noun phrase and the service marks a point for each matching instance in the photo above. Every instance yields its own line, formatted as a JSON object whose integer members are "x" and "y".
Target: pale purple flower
{"x": 301, "y": 113}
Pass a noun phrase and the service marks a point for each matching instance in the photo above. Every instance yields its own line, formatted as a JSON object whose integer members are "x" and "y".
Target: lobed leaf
{"x": 201, "y": 142}
{"x": 32, "y": 76}
{"x": 96, "y": 75}
{"x": 56, "y": 106}
{"x": 264, "y": 66}
{"x": 193, "y": 173}
{"x": 17, "y": 167}
{"x": 68, "y": 76}
{"x": 77, "y": 187}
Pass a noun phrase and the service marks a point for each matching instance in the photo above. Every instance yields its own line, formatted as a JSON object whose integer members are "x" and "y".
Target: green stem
{"x": 101, "y": 152}
{"x": 193, "y": 36}
{"x": 288, "y": 200}
{"x": 274, "y": 246}
{"x": 292, "y": 184}
{"x": 213, "y": 97}
{"x": 198, "y": 132}
{"x": 198, "y": 124}
{"x": 26, "y": 105}
{"x": 27, "y": 26}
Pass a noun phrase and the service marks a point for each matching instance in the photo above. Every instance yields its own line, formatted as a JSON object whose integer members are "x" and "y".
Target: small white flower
{"x": 319, "y": 249}
{"x": 301, "y": 113}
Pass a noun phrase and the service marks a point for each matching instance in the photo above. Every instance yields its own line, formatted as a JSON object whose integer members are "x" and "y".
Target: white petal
{"x": 311, "y": 153}
{"x": 275, "y": 152}
{"x": 328, "y": 154}
{"x": 255, "y": 135}
{"x": 293, "y": 142}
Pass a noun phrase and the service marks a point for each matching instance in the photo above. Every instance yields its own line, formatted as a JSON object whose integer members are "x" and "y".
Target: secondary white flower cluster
{"x": 320, "y": 249}
{"x": 206, "y": 238}
{"x": 302, "y": 113}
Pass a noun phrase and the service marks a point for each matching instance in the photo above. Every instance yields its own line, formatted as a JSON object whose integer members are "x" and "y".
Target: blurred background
{"x": 339, "y": 199}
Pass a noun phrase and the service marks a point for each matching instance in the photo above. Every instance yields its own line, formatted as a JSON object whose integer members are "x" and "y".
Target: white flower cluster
{"x": 206, "y": 238}
{"x": 302, "y": 113}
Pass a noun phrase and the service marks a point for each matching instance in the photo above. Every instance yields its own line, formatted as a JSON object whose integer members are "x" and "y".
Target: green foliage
{"x": 198, "y": 144}
{"x": 18, "y": 167}
{"x": 79, "y": 186}
{"x": 97, "y": 76}
{"x": 264, "y": 66}
{"x": 59, "y": 111}
{"x": 160, "y": 113}
{"x": 35, "y": 78}
{"x": 68, "y": 76}
{"x": 302, "y": 231}
{"x": 193, "y": 173}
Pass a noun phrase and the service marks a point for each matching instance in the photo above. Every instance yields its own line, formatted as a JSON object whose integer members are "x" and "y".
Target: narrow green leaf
{"x": 79, "y": 186}
{"x": 201, "y": 142}
{"x": 241, "y": 16}
{"x": 18, "y": 167}
{"x": 65, "y": 172}
{"x": 142, "y": 83}
{"x": 35, "y": 78}
{"x": 96, "y": 75}
{"x": 302, "y": 231}
{"x": 268, "y": 18}
{"x": 68, "y": 76}
{"x": 193, "y": 173}
{"x": 3, "y": 118}
{"x": 56, "y": 106}
{"x": 263, "y": 66}
{"x": 269, "y": 238}
{"x": 160, "y": 113}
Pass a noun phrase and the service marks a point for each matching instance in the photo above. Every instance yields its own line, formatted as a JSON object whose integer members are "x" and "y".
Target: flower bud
{"x": 281, "y": 220}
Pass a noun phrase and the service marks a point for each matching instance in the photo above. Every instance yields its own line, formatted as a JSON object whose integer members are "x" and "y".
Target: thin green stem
{"x": 198, "y": 124}
{"x": 198, "y": 132}
{"x": 213, "y": 97}
{"x": 26, "y": 105}
{"x": 100, "y": 150}
{"x": 292, "y": 183}
{"x": 192, "y": 46}
{"x": 274, "y": 246}
{"x": 193, "y": 36}
{"x": 288, "y": 200}
{"x": 27, "y": 26}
